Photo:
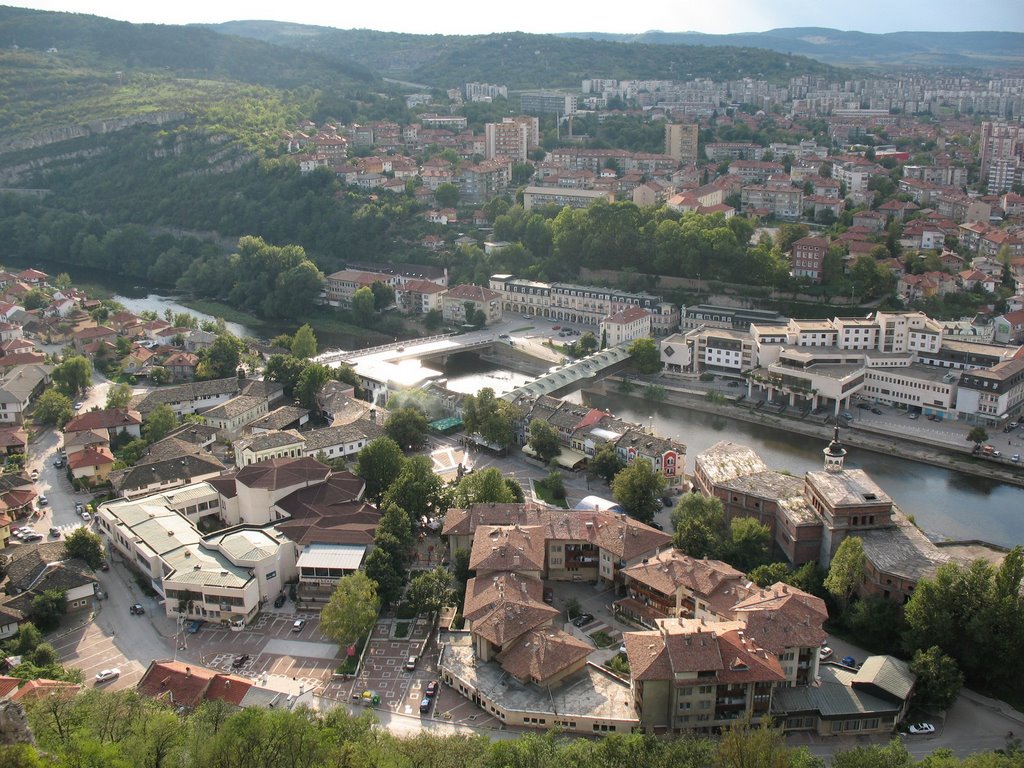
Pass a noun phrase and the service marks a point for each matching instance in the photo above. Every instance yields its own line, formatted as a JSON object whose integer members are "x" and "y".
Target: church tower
{"x": 834, "y": 453}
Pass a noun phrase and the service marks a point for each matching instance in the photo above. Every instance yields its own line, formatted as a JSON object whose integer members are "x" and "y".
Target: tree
{"x": 379, "y": 463}
{"x": 396, "y": 523}
{"x": 407, "y": 427}
{"x": 383, "y": 295}
{"x": 352, "y": 609}
{"x": 638, "y": 489}
{"x": 750, "y": 543}
{"x": 555, "y": 484}
{"x": 483, "y": 487}
{"x": 543, "y": 440}
{"x": 433, "y": 319}
{"x": 85, "y": 545}
{"x": 118, "y": 396}
{"x": 45, "y": 655}
{"x": 490, "y": 417}
{"x": 303, "y": 344}
{"x": 587, "y": 344}
{"x": 876, "y": 622}
{"x": 47, "y": 608}
{"x": 432, "y": 590}
{"x": 285, "y": 370}
{"x": 447, "y": 195}
{"x": 939, "y": 679}
{"x": 312, "y": 379}
{"x": 417, "y": 489}
{"x": 52, "y": 407}
{"x": 27, "y": 639}
{"x": 160, "y": 421}
{"x": 220, "y": 360}
{"x": 73, "y": 375}
{"x": 977, "y": 435}
{"x": 768, "y": 574}
{"x": 363, "y": 306}
{"x": 382, "y": 569}
{"x": 605, "y": 463}
{"x": 699, "y": 523}
{"x": 747, "y": 745}
{"x": 846, "y": 571}
{"x": 460, "y": 565}
{"x": 35, "y": 299}
{"x": 645, "y": 355}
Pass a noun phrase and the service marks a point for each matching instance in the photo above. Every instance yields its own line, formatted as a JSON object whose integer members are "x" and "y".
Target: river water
{"x": 946, "y": 504}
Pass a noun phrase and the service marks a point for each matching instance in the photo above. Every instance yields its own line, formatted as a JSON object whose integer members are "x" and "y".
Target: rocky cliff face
{"x": 96, "y": 127}
{"x": 13, "y": 724}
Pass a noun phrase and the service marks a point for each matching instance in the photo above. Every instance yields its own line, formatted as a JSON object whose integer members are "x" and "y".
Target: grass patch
{"x": 542, "y": 492}
{"x": 619, "y": 664}
{"x": 348, "y": 666}
{"x": 402, "y": 629}
{"x": 520, "y": 330}
{"x": 406, "y": 611}
{"x": 601, "y": 639}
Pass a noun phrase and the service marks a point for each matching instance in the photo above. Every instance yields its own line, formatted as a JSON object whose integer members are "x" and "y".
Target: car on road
{"x": 583, "y": 619}
{"x": 79, "y": 509}
{"x": 824, "y": 653}
{"x": 34, "y": 474}
{"x": 921, "y": 728}
{"x": 298, "y": 624}
{"x": 43, "y": 501}
{"x": 864, "y": 406}
{"x": 77, "y": 406}
{"x": 549, "y": 595}
{"x": 657, "y": 526}
{"x": 1015, "y": 458}
{"x": 58, "y": 462}
{"x": 848, "y": 661}
{"x": 104, "y": 565}
{"x": 240, "y": 661}
{"x": 279, "y": 600}
{"x": 107, "y": 675}
{"x": 504, "y": 336}
{"x": 86, "y": 517}
{"x": 410, "y": 664}
{"x": 912, "y": 416}
{"x": 733, "y": 384}
{"x": 54, "y": 531}
{"x": 194, "y": 626}
{"x": 425, "y": 704}
{"x": 431, "y": 689}
{"x": 136, "y": 609}
{"x": 876, "y": 411}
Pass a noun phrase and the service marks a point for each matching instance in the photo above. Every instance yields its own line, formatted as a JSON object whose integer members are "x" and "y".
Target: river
{"x": 946, "y": 504}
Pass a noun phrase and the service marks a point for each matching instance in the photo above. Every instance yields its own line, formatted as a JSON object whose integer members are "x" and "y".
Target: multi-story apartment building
{"x": 681, "y": 141}
{"x": 755, "y": 171}
{"x": 992, "y": 396}
{"x": 547, "y": 103}
{"x": 507, "y": 140}
{"x": 573, "y": 198}
{"x": 808, "y": 257}
{"x": 341, "y": 286}
{"x": 783, "y": 201}
{"x": 485, "y": 91}
{"x": 1002, "y": 154}
{"x": 625, "y": 325}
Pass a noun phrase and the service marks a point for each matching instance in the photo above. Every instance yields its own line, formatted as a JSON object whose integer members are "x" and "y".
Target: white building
{"x": 625, "y": 326}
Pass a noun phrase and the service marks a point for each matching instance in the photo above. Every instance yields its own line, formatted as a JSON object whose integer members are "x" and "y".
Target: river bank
{"x": 905, "y": 445}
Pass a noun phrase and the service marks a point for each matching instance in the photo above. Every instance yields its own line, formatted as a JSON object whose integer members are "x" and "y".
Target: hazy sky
{"x": 479, "y": 16}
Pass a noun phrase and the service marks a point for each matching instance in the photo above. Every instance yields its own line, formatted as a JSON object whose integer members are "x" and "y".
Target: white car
{"x": 34, "y": 474}
{"x": 107, "y": 675}
{"x": 824, "y": 653}
{"x": 921, "y": 728}
{"x": 298, "y": 625}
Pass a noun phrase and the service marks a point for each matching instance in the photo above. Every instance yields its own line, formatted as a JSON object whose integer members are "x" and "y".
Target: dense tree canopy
{"x": 638, "y": 489}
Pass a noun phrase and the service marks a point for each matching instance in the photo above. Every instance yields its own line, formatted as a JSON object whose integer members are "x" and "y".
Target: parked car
{"x": 848, "y": 661}
{"x": 864, "y": 406}
{"x": 107, "y": 675}
{"x": 194, "y": 626}
{"x": 279, "y": 600}
{"x": 657, "y": 526}
{"x": 582, "y": 619}
{"x": 137, "y": 609}
{"x": 921, "y": 728}
{"x": 239, "y": 661}
{"x": 912, "y": 416}
{"x": 43, "y": 501}
{"x": 733, "y": 384}
{"x": 54, "y": 531}
{"x": 77, "y": 406}
{"x": 79, "y": 509}
{"x": 34, "y": 474}
{"x": 876, "y": 411}
{"x": 410, "y": 664}
{"x": 431, "y": 689}
{"x": 549, "y": 595}
{"x": 824, "y": 653}
{"x": 298, "y": 624}
{"x": 425, "y": 703}
{"x": 58, "y": 462}
{"x": 1015, "y": 458}
{"x": 104, "y": 565}
{"x": 86, "y": 517}
{"x": 33, "y": 536}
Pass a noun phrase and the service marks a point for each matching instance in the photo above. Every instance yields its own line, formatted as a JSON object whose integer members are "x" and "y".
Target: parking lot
{"x": 93, "y": 649}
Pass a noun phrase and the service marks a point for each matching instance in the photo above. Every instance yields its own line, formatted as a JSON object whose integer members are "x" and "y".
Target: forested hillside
{"x": 520, "y": 60}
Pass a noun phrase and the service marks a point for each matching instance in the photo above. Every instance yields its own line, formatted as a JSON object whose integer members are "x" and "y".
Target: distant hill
{"x": 520, "y": 60}
{"x": 945, "y": 50}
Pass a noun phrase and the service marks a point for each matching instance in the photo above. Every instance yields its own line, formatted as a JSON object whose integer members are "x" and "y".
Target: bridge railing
{"x": 336, "y": 355}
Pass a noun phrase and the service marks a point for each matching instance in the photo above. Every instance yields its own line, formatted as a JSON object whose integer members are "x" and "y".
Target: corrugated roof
{"x": 344, "y": 556}
{"x": 890, "y": 674}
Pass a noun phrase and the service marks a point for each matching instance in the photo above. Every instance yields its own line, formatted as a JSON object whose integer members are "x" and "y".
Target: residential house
{"x": 808, "y": 258}
{"x": 482, "y": 300}
{"x": 87, "y": 336}
{"x": 91, "y": 465}
{"x": 264, "y": 445}
{"x": 182, "y": 366}
{"x": 115, "y": 421}
{"x": 625, "y": 325}
{"x": 19, "y": 386}
{"x": 230, "y": 417}
{"x": 32, "y": 569}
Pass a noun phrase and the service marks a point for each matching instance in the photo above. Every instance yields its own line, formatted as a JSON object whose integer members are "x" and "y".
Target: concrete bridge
{"x": 430, "y": 348}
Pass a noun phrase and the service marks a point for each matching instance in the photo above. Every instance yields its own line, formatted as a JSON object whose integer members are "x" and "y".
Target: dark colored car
{"x": 657, "y": 526}
{"x": 137, "y": 610}
{"x": 876, "y": 412}
{"x": 582, "y": 619}
{"x": 425, "y": 704}
{"x": 848, "y": 661}
{"x": 194, "y": 626}
{"x": 279, "y": 600}
{"x": 549, "y": 595}
{"x": 431, "y": 689}
{"x": 240, "y": 661}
